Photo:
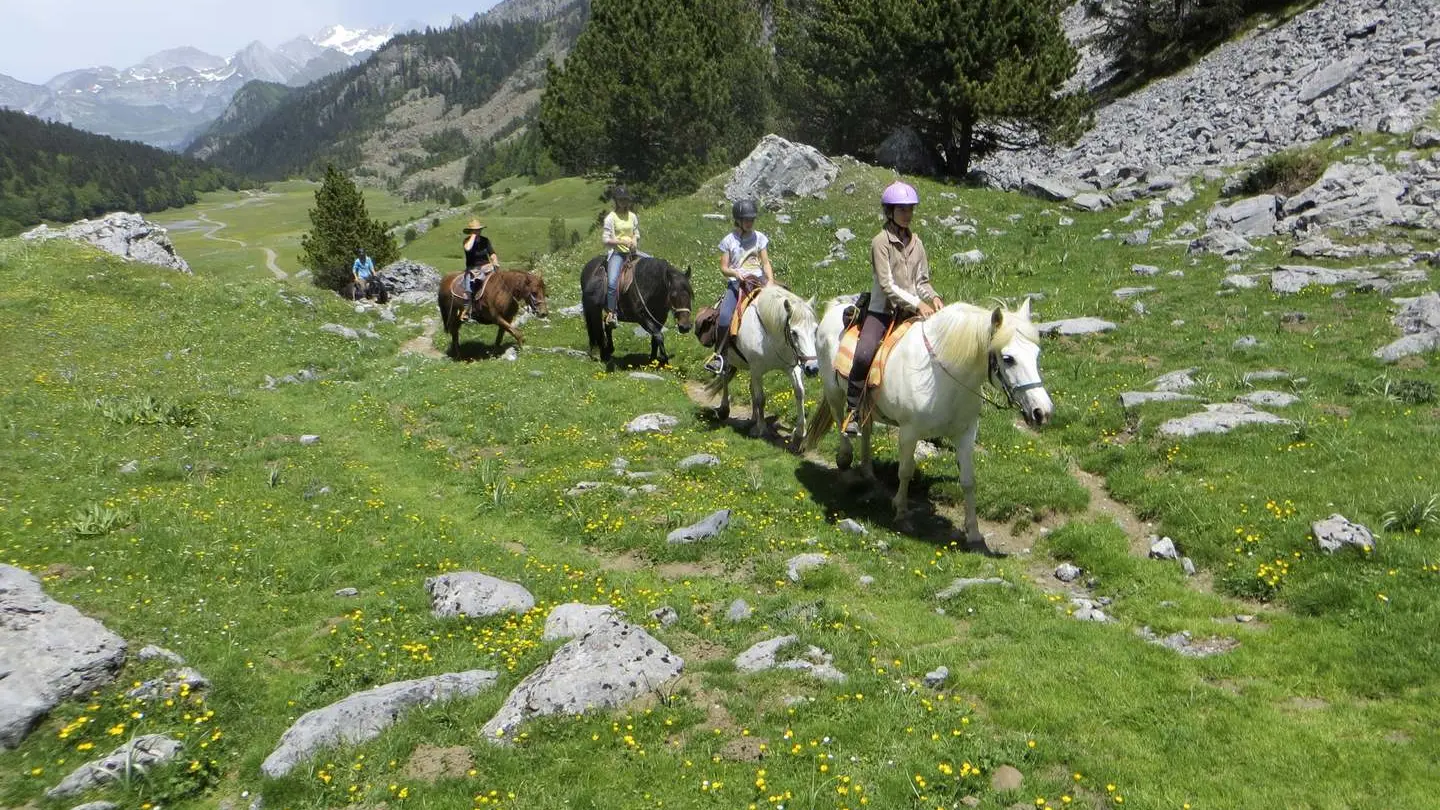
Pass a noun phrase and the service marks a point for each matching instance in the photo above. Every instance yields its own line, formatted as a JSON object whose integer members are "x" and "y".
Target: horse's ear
{"x": 811, "y": 302}
{"x": 687, "y": 272}
{"x": 996, "y": 318}
{"x": 1024, "y": 310}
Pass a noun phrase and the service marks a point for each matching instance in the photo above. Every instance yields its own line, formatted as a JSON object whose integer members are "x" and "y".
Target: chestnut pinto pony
{"x": 497, "y": 304}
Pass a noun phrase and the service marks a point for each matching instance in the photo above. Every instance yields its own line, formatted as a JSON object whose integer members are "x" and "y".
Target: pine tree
{"x": 970, "y": 75}
{"x": 340, "y": 225}
{"x": 661, "y": 91}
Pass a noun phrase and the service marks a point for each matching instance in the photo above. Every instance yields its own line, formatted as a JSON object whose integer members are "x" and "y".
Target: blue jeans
{"x": 613, "y": 264}
{"x": 728, "y": 304}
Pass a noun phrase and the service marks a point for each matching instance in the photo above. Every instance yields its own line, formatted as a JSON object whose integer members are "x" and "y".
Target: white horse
{"x": 931, "y": 387}
{"x": 776, "y": 332}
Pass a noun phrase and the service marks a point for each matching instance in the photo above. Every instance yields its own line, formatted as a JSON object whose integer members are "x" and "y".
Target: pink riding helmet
{"x": 898, "y": 193}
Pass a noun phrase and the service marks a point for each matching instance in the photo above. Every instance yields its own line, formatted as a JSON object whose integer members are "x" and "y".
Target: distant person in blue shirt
{"x": 363, "y": 268}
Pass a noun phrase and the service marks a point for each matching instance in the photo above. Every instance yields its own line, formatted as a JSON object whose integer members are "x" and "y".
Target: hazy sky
{"x": 40, "y": 38}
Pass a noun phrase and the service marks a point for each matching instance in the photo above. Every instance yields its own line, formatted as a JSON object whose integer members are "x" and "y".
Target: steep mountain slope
{"x": 250, "y": 106}
{"x": 411, "y": 115}
{"x": 170, "y": 96}
{"x": 54, "y": 172}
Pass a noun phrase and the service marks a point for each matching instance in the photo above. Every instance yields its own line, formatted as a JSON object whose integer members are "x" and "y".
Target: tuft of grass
{"x": 1413, "y": 516}
{"x": 1286, "y": 173}
{"x": 97, "y": 519}
{"x": 145, "y": 410}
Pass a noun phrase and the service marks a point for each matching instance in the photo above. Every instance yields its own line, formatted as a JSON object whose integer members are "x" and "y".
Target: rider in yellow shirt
{"x": 622, "y": 235}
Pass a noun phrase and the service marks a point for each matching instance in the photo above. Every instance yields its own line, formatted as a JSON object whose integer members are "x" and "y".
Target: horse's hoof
{"x": 722, "y": 414}
{"x": 758, "y": 431}
{"x": 844, "y": 458}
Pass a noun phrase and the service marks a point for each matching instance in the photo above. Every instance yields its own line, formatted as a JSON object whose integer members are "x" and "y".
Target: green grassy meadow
{"x": 229, "y": 540}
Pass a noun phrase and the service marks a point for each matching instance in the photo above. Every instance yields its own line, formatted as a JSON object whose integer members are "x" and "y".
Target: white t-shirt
{"x": 744, "y": 252}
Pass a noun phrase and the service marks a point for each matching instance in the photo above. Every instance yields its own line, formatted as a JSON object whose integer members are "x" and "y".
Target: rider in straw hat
{"x": 480, "y": 261}
{"x": 901, "y": 289}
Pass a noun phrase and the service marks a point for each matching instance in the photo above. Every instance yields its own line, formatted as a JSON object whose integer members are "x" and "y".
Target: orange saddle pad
{"x": 746, "y": 299}
{"x": 845, "y": 357}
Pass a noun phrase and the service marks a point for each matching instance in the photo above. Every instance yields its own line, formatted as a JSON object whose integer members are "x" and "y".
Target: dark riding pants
{"x": 872, "y": 331}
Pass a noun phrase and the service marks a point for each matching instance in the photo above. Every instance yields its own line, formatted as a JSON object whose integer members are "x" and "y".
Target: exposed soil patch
{"x": 424, "y": 343}
{"x": 697, "y": 650}
{"x": 430, "y": 763}
{"x": 1102, "y": 504}
{"x": 1308, "y": 704}
{"x": 744, "y": 749}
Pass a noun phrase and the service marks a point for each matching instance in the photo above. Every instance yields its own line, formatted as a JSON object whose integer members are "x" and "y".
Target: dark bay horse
{"x": 504, "y": 293}
{"x": 659, "y": 289}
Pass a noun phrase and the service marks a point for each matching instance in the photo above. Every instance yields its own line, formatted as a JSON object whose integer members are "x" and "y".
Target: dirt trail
{"x": 280, "y": 275}
{"x": 270, "y": 255}
{"x": 219, "y": 226}
{"x": 424, "y": 343}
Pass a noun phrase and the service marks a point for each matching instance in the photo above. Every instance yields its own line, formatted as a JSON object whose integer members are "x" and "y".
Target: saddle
{"x": 459, "y": 290}
{"x": 845, "y": 356}
{"x": 627, "y": 274}
{"x": 707, "y": 320}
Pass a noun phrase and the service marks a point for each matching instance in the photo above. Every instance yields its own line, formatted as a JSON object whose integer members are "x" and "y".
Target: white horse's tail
{"x": 818, "y": 425}
{"x": 717, "y": 385}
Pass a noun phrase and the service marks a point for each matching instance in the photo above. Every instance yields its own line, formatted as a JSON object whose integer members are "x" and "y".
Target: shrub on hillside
{"x": 1285, "y": 173}
{"x": 340, "y": 224}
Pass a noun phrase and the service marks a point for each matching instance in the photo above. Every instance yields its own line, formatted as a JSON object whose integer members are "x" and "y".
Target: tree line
{"x": 54, "y": 172}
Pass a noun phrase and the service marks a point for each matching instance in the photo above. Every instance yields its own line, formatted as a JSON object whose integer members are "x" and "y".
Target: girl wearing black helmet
{"x": 744, "y": 259}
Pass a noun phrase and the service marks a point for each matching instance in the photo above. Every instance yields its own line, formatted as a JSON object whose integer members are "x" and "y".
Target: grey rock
{"x": 66, "y": 655}
{"x": 1354, "y": 197}
{"x": 1186, "y": 230}
{"x": 129, "y": 468}
{"x": 1163, "y": 548}
{"x": 364, "y": 715}
{"x": 1220, "y": 418}
{"x": 1185, "y": 645}
{"x": 706, "y": 529}
{"x": 1253, "y": 216}
{"x": 169, "y": 685}
{"x": 573, "y": 620}
{"x": 1070, "y": 327}
{"x": 1085, "y": 609}
{"x": 309, "y": 439}
{"x": 1288, "y": 279}
{"x": 1419, "y": 315}
{"x": 844, "y": 235}
{"x": 1046, "y": 188}
{"x": 739, "y": 611}
{"x": 973, "y": 256}
{"x": 1091, "y": 202}
{"x": 1239, "y": 282}
{"x": 476, "y": 595}
{"x": 608, "y": 667}
{"x": 714, "y": 217}
{"x": 651, "y": 423}
{"x": 796, "y": 566}
{"x": 1246, "y": 342}
{"x": 1265, "y": 375}
{"x": 866, "y": 580}
{"x": 778, "y": 169}
{"x": 1330, "y": 77}
{"x": 1336, "y": 532}
{"x": 1144, "y": 269}
{"x": 1134, "y": 399}
{"x": 1065, "y": 222}
{"x": 1130, "y": 292}
{"x": 583, "y": 487}
{"x": 133, "y": 759}
{"x": 935, "y": 679}
{"x": 340, "y": 331}
{"x": 1188, "y": 566}
{"x": 129, "y": 236}
{"x": 962, "y": 584}
{"x": 698, "y": 460}
{"x": 1067, "y": 572}
{"x": 1425, "y": 138}
{"x": 1137, "y": 237}
{"x": 763, "y": 655}
{"x": 1408, "y": 345}
{"x": 347, "y": 593}
{"x": 1272, "y": 399}
{"x": 573, "y": 311}
{"x": 1221, "y": 243}
{"x": 665, "y": 615}
{"x": 851, "y": 526}
{"x": 1178, "y": 380}
{"x": 96, "y": 806}
{"x": 150, "y": 652}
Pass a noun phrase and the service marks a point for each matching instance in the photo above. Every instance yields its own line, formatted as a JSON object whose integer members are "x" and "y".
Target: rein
{"x": 992, "y": 374}
{"x": 790, "y": 341}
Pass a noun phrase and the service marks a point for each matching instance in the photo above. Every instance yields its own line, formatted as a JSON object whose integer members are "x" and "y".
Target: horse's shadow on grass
{"x": 741, "y": 426}
{"x": 472, "y": 350}
{"x": 851, "y": 494}
{"x": 635, "y": 361}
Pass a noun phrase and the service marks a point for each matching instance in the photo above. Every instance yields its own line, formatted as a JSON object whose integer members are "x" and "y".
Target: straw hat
{"x": 475, "y": 226}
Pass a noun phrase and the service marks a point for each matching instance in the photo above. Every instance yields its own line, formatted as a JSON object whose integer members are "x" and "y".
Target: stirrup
{"x": 851, "y": 426}
{"x": 716, "y": 364}
{"x": 610, "y": 318}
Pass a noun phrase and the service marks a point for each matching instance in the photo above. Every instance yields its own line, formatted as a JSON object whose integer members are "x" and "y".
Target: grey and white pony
{"x": 776, "y": 333}
{"x": 931, "y": 387}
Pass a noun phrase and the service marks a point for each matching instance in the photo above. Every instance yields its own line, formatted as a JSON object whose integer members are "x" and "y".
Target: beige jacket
{"x": 902, "y": 273}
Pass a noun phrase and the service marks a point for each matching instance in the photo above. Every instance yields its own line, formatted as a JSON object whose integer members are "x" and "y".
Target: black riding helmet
{"x": 620, "y": 193}
{"x": 744, "y": 209}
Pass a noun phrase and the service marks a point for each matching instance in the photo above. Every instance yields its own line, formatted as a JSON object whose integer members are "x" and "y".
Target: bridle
{"x": 800, "y": 359}
{"x": 993, "y": 374}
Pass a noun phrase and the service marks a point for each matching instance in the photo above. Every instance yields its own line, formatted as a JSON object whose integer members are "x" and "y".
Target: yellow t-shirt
{"x": 625, "y": 228}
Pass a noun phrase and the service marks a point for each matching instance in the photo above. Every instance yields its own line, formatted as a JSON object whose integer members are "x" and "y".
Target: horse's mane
{"x": 962, "y": 332}
{"x": 770, "y": 303}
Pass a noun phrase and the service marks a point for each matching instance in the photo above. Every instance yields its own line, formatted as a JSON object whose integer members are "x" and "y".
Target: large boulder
{"x": 1354, "y": 197}
{"x": 48, "y": 653}
{"x": 407, "y": 275}
{"x": 778, "y": 169}
{"x": 1221, "y": 418}
{"x": 469, "y": 593}
{"x": 1419, "y": 322}
{"x": 905, "y": 152}
{"x": 613, "y": 664}
{"x": 129, "y": 236}
{"x": 363, "y": 715}
{"x": 1252, "y": 216}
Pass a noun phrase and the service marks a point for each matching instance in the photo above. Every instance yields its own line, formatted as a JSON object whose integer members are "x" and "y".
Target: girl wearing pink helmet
{"x": 901, "y": 289}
